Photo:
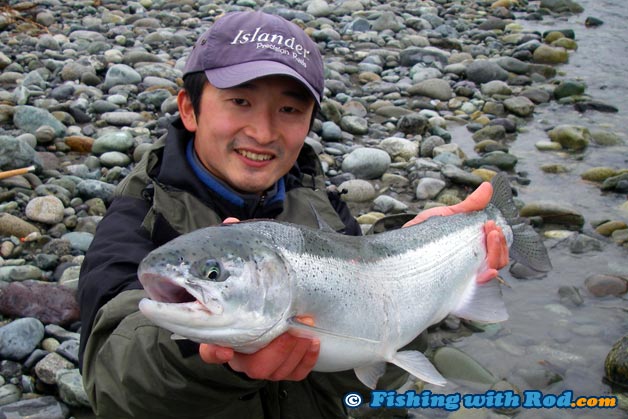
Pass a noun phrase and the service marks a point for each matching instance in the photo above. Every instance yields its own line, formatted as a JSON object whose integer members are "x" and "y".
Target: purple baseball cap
{"x": 242, "y": 46}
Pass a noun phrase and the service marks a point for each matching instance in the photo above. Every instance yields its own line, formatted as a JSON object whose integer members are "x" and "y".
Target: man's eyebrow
{"x": 299, "y": 94}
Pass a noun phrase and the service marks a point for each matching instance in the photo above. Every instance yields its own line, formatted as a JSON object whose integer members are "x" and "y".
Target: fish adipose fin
{"x": 527, "y": 246}
{"x": 482, "y": 303}
{"x": 303, "y": 330}
{"x": 418, "y": 365}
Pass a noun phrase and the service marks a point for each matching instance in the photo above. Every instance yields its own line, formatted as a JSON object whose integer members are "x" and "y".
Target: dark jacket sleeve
{"x": 110, "y": 265}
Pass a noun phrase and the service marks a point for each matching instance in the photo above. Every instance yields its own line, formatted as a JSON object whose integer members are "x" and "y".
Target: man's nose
{"x": 261, "y": 127}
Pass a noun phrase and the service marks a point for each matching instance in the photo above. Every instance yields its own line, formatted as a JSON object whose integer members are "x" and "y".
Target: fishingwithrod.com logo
{"x": 531, "y": 399}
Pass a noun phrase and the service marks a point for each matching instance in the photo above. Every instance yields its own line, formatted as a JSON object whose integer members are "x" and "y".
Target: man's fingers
{"x": 213, "y": 354}
{"x": 230, "y": 220}
{"x": 496, "y": 247}
{"x": 291, "y": 368}
{"x": 477, "y": 201}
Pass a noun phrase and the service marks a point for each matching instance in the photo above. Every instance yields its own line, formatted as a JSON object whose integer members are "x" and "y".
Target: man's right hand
{"x": 287, "y": 357}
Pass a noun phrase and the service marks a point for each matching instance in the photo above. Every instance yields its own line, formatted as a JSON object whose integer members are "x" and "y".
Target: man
{"x": 252, "y": 85}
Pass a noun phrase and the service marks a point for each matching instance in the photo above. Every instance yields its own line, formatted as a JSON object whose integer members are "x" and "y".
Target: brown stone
{"x": 79, "y": 143}
{"x": 48, "y": 302}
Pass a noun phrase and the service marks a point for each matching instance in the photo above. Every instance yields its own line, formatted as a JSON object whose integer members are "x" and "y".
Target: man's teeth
{"x": 255, "y": 156}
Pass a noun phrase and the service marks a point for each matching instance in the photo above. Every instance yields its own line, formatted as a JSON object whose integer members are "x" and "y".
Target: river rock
{"x": 603, "y": 285}
{"x": 499, "y": 159}
{"x": 47, "y": 369}
{"x": 606, "y": 138}
{"x": 20, "y": 337}
{"x": 50, "y": 303}
{"x": 45, "y": 209}
{"x": 484, "y": 71}
{"x": 71, "y": 388}
{"x": 15, "y": 154}
{"x": 598, "y": 174}
{"x": 91, "y": 188}
{"x": 30, "y": 118}
{"x": 429, "y": 188}
{"x": 519, "y": 105}
{"x": 387, "y": 204}
{"x": 413, "y": 123}
{"x": 546, "y": 54}
{"x": 571, "y": 137}
{"x": 562, "y": 6}
{"x": 400, "y": 148}
{"x": 11, "y": 225}
{"x": 553, "y": 212}
{"x": 357, "y": 190}
{"x": 568, "y": 88}
{"x": 432, "y": 88}
{"x": 616, "y": 363}
{"x": 607, "y": 228}
{"x": 121, "y": 74}
{"x": 366, "y": 163}
{"x": 113, "y": 141}
{"x": 46, "y": 407}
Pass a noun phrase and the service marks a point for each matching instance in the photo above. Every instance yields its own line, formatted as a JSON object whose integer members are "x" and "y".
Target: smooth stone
{"x": 121, "y": 74}
{"x": 357, "y": 190}
{"x": 568, "y": 88}
{"x": 432, "y": 88}
{"x": 604, "y": 285}
{"x": 15, "y": 154}
{"x": 413, "y": 124}
{"x": 331, "y": 131}
{"x": 79, "y": 143}
{"x": 571, "y": 137}
{"x": 461, "y": 177}
{"x": 598, "y": 174}
{"x": 546, "y": 54}
{"x": 48, "y": 302}
{"x": 122, "y": 118}
{"x": 20, "y": 273}
{"x": 46, "y": 369}
{"x": 354, "y": 124}
{"x": 482, "y": 71}
{"x": 429, "y": 188}
{"x": 113, "y": 141}
{"x": 553, "y": 213}
{"x": 366, "y": 163}
{"x": 79, "y": 240}
{"x": 400, "y": 148}
{"x": 387, "y": 204}
{"x": 11, "y": 225}
{"x": 69, "y": 349}
{"x": 499, "y": 159}
{"x": 496, "y": 87}
{"x": 607, "y": 228}
{"x": 91, "y": 188}
{"x": 46, "y": 407}
{"x": 519, "y": 105}
{"x": 605, "y": 138}
{"x": 9, "y": 393}
{"x": 45, "y": 209}
{"x": 562, "y": 6}
{"x": 20, "y": 337}
{"x": 548, "y": 146}
{"x": 71, "y": 389}
{"x": 30, "y": 118}
{"x": 114, "y": 158}
{"x": 491, "y": 132}
{"x": 570, "y": 295}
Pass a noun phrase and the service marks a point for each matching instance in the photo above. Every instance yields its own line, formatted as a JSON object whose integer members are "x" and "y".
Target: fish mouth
{"x": 167, "y": 290}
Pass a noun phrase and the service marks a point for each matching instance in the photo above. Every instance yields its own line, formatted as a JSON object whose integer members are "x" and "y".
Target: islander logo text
{"x": 531, "y": 399}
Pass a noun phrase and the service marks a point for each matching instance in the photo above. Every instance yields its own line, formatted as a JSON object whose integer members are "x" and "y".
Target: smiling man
{"x": 252, "y": 86}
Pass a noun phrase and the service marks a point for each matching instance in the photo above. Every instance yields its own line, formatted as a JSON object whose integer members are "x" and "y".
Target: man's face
{"x": 249, "y": 136}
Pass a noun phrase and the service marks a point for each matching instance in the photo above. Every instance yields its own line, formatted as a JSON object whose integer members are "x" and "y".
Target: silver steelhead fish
{"x": 241, "y": 285}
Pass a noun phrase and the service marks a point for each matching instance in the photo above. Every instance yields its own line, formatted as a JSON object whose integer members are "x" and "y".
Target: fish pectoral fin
{"x": 369, "y": 374}
{"x": 303, "y": 330}
{"x": 418, "y": 365}
{"x": 482, "y": 303}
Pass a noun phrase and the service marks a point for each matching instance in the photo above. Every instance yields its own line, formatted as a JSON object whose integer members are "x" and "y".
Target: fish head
{"x": 217, "y": 285}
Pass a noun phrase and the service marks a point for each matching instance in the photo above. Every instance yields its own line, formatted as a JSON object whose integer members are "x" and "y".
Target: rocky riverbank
{"x": 86, "y": 86}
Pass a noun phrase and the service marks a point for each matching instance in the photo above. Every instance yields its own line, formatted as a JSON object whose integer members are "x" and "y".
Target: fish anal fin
{"x": 418, "y": 365}
{"x": 482, "y": 303}
{"x": 369, "y": 374}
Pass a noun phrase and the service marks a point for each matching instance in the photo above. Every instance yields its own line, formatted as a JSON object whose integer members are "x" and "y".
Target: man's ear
{"x": 186, "y": 111}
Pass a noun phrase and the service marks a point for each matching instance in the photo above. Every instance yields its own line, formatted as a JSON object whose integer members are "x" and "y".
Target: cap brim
{"x": 234, "y": 75}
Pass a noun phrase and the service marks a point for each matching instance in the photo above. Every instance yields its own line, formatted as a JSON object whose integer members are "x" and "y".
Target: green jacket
{"x": 132, "y": 368}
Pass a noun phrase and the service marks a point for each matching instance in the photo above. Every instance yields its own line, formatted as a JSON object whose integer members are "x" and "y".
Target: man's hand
{"x": 496, "y": 248}
{"x": 287, "y": 357}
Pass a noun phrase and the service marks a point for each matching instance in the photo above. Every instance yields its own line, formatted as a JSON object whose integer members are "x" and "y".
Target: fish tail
{"x": 527, "y": 246}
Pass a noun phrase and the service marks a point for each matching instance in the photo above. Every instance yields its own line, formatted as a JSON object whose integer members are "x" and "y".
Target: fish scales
{"x": 369, "y": 296}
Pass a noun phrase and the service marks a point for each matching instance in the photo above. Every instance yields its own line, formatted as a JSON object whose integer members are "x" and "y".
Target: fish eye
{"x": 214, "y": 271}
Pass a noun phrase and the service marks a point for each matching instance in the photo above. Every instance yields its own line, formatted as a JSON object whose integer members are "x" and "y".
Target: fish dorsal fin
{"x": 369, "y": 374}
{"x": 303, "y": 330}
{"x": 322, "y": 224}
{"x": 502, "y": 197}
{"x": 418, "y": 365}
{"x": 482, "y": 302}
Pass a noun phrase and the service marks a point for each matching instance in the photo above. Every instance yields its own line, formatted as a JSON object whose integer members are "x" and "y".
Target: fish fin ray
{"x": 418, "y": 365}
{"x": 527, "y": 246}
{"x": 369, "y": 374}
{"x": 482, "y": 302}
{"x": 303, "y": 330}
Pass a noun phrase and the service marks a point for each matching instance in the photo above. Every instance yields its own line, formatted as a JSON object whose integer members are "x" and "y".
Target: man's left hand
{"x": 496, "y": 247}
